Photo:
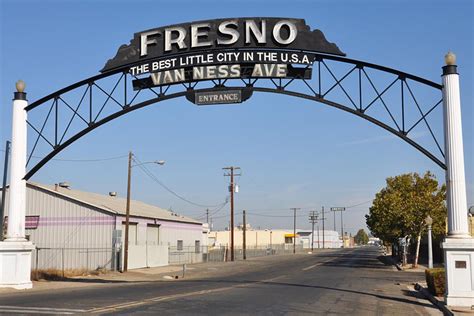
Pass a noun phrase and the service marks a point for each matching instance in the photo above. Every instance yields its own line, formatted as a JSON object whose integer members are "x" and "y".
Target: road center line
{"x": 310, "y": 267}
{"x": 19, "y": 310}
{"x": 44, "y": 308}
{"x": 175, "y": 296}
{"x": 316, "y": 265}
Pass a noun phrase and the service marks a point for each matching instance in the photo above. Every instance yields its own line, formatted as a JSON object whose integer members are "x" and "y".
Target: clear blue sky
{"x": 293, "y": 153}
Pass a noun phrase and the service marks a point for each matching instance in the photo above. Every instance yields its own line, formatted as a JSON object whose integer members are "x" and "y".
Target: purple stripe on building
{"x": 74, "y": 220}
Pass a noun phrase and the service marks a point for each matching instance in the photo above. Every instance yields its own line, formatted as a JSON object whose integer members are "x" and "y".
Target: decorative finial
{"x": 450, "y": 58}
{"x": 20, "y": 86}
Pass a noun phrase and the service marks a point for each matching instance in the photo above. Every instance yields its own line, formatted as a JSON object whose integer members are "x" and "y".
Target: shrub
{"x": 436, "y": 281}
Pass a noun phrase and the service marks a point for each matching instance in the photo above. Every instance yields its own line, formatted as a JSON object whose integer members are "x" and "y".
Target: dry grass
{"x": 58, "y": 275}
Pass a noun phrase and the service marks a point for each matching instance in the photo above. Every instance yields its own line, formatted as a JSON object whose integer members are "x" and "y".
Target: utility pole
{"x": 318, "y": 237}
{"x": 127, "y": 213}
{"x": 342, "y": 231}
{"x": 231, "y": 189}
{"x": 207, "y": 215}
{"x": 339, "y": 209}
{"x": 271, "y": 242}
{"x": 324, "y": 245}
{"x": 244, "y": 245}
{"x": 313, "y": 218}
{"x": 4, "y": 187}
{"x": 294, "y": 227}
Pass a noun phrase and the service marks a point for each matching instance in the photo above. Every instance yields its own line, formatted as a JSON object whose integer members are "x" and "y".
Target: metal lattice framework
{"x": 360, "y": 88}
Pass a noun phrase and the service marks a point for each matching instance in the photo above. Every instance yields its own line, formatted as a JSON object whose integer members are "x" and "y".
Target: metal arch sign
{"x": 222, "y": 49}
{"x": 269, "y": 55}
{"x": 219, "y": 34}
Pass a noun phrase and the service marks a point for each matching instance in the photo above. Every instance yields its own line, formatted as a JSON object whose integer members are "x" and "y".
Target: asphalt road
{"x": 346, "y": 281}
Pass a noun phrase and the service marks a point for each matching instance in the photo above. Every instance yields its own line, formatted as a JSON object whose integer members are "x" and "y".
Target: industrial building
{"x": 275, "y": 237}
{"x": 73, "y": 229}
{"x": 322, "y": 239}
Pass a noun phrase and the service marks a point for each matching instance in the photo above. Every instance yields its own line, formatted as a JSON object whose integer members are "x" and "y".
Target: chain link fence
{"x": 89, "y": 259}
{"x": 63, "y": 259}
{"x": 192, "y": 254}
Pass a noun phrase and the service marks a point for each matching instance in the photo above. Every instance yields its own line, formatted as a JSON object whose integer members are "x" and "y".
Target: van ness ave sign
{"x": 218, "y": 35}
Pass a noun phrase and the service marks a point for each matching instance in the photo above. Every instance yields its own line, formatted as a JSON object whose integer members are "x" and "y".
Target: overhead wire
{"x": 81, "y": 160}
{"x": 359, "y": 204}
{"x": 213, "y": 212}
{"x": 155, "y": 179}
{"x": 262, "y": 215}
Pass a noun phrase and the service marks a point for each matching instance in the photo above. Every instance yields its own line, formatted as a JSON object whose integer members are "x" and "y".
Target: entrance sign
{"x": 218, "y": 96}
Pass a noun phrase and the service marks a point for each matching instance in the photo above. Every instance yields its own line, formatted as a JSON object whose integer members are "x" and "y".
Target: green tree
{"x": 399, "y": 210}
{"x": 361, "y": 237}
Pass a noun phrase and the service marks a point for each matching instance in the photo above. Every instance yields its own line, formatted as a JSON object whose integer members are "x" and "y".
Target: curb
{"x": 446, "y": 311}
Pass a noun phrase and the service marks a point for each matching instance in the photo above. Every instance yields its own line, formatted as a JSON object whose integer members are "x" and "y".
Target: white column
{"x": 455, "y": 177}
{"x": 458, "y": 246}
{"x": 15, "y": 250}
{"x": 17, "y": 203}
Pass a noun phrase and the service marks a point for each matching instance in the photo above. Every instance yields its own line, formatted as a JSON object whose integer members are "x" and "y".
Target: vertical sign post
{"x": 4, "y": 187}
{"x": 339, "y": 209}
{"x": 244, "y": 238}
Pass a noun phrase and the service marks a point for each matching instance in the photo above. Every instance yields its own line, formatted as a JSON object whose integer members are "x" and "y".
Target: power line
{"x": 262, "y": 215}
{"x": 154, "y": 178}
{"x": 359, "y": 204}
{"x": 223, "y": 216}
{"x": 81, "y": 160}
{"x": 214, "y": 211}
{"x": 265, "y": 210}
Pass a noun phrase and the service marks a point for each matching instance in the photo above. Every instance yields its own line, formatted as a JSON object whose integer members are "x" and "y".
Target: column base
{"x": 459, "y": 262}
{"x": 15, "y": 264}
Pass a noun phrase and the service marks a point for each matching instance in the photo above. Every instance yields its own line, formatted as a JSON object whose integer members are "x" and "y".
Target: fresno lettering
{"x": 228, "y": 33}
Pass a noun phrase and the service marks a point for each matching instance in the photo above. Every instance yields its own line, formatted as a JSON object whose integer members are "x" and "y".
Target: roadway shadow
{"x": 285, "y": 284}
{"x": 363, "y": 262}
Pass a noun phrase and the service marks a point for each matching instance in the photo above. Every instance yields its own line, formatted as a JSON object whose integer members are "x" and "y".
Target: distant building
{"x": 81, "y": 230}
{"x": 374, "y": 241}
{"x": 349, "y": 241}
{"x": 274, "y": 237}
{"x": 331, "y": 238}
{"x": 254, "y": 238}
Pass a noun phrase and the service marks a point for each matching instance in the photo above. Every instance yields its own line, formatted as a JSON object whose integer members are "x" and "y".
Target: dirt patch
{"x": 63, "y": 275}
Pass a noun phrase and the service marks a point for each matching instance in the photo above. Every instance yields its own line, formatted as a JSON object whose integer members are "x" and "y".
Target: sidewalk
{"x": 164, "y": 274}
{"x": 111, "y": 277}
{"x": 438, "y": 301}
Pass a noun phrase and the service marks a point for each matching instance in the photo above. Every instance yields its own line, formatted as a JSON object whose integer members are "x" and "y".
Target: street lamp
{"x": 127, "y": 212}
{"x": 429, "y": 222}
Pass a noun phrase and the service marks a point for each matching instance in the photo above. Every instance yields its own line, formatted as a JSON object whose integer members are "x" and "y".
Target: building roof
{"x": 114, "y": 204}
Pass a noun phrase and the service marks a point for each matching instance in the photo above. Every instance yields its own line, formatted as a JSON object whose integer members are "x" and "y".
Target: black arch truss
{"x": 72, "y": 112}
